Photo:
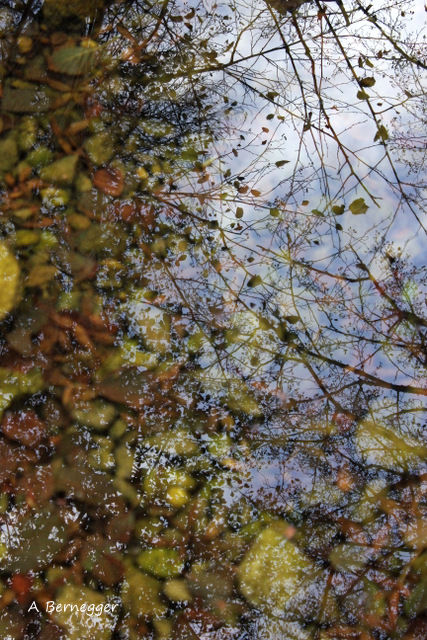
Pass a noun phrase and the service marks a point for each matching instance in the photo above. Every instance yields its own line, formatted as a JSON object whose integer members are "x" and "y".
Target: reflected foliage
{"x": 213, "y": 340}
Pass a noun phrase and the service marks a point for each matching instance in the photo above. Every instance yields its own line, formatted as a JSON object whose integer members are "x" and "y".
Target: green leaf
{"x": 274, "y": 212}
{"x": 26, "y": 100}
{"x": 358, "y": 206}
{"x": 338, "y": 210}
{"x": 292, "y": 319}
{"x": 74, "y": 61}
{"x": 367, "y": 82}
{"x": 362, "y": 95}
{"x": 280, "y": 163}
{"x": 381, "y": 134}
{"x": 239, "y": 212}
{"x": 61, "y": 171}
{"x": 254, "y": 281}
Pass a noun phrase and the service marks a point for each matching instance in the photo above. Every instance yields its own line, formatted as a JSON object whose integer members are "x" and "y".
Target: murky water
{"x": 212, "y": 375}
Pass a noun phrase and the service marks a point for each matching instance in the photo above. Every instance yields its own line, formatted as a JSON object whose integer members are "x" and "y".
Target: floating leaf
{"x": 74, "y": 61}
{"x": 338, "y": 210}
{"x": 367, "y": 82}
{"x": 358, "y": 206}
{"x": 381, "y": 134}
{"x": 280, "y": 163}
{"x": 239, "y": 212}
{"x": 254, "y": 281}
{"x": 362, "y": 95}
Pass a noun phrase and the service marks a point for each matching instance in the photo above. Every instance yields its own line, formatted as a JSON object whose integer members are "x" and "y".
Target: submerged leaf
{"x": 110, "y": 181}
{"x": 25, "y": 427}
{"x": 33, "y": 540}
{"x": 74, "y": 61}
{"x": 25, "y": 100}
{"x": 61, "y": 171}
{"x": 9, "y": 277}
{"x": 276, "y": 577}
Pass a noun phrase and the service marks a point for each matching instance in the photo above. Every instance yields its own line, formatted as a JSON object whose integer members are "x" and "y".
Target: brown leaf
{"x": 11, "y": 457}
{"x": 97, "y": 558}
{"x": 41, "y": 274}
{"x": 109, "y": 181}
{"x": 125, "y": 211}
{"x": 21, "y": 584}
{"x": 25, "y": 427}
{"x": 36, "y": 485}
